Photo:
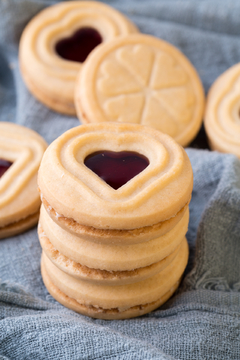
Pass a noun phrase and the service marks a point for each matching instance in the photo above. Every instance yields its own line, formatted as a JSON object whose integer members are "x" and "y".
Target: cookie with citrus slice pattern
{"x": 144, "y": 80}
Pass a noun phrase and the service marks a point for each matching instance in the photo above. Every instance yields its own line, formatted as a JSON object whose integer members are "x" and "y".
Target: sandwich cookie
{"x": 128, "y": 263}
{"x": 115, "y": 236}
{"x": 144, "y": 80}
{"x": 222, "y": 116}
{"x": 21, "y": 151}
{"x": 114, "y": 302}
{"x": 153, "y": 195}
{"x": 56, "y": 42}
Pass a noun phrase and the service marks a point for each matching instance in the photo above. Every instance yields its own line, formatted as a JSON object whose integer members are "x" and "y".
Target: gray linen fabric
{"x": 202, "y": 320}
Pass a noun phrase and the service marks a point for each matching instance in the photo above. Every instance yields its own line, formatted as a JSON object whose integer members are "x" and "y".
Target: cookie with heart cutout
{"x": 56, "y": 42}
{"x": 21, "y": 151}
{"x": 141, "y": 79}
{"x": 222, "y": 115}
{"x": 119, "y": 301}
{"x": 74, "y": 191}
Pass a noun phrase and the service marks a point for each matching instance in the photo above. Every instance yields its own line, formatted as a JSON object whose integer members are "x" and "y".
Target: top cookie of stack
{"x": 156, "y": 195}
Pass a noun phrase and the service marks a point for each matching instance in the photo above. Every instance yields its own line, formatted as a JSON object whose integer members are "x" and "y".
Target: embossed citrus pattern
{"x": 141, "y": 79}
{"x": 142, "y": 85}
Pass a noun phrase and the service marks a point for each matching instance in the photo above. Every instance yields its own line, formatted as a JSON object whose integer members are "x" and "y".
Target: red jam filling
{"x": 79, "y": 45}
{"x": 4, "y": 166}
{"x": 116, "y": 168}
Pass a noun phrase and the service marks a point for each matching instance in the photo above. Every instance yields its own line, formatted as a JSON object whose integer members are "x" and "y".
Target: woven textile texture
{"x": 201, "y": 321}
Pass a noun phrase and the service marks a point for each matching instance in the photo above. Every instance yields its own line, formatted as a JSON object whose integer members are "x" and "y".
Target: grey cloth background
{"x": 202, "y": 320}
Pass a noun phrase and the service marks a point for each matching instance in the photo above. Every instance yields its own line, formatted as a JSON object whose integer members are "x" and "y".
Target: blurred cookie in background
{"x": 222, "y": 116}
{"x": 144, "y": 80}
{"x": 56, "y": 42}
{"x": 21, "y": 151}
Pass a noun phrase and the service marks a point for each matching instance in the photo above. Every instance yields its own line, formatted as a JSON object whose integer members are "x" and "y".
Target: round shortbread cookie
{"x": 156, "y": 194}
{"x": 22, "y": 149}
{"x": 99, "y": 313}
{"x": 113, "y": 257}
{"x": 222, "y": 116}
{"x": 141, "y": 79}
{"x": 49, "y": 74}
{"x": 121, "y": 297}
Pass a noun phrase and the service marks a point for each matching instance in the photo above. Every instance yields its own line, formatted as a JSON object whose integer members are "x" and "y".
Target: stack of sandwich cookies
{"x": 114, "y": 251}
{"x": 21, "y": 151}
{"x": 56, "y": 42}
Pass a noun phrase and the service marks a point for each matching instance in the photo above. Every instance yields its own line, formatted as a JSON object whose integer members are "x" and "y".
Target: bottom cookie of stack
{"x": 118, "y": 301}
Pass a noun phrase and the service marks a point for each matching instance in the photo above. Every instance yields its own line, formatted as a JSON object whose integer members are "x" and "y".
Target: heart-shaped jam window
{"x": 4, "y": 166}
{"x": 116, "y": 168}
{"x": 78, "y": 46}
